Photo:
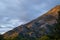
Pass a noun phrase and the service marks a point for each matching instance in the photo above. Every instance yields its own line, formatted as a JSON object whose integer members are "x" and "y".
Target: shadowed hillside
{"x": 43, "y": 25}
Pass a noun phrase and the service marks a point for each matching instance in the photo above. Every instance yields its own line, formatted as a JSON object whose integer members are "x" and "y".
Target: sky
{"x": 16, "y": 12}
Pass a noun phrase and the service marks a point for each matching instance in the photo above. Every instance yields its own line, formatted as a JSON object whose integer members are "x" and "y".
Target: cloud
{"x": 15, "y": 22}
{"x": 11, "y": 22}
{"x": 3, "y": 30}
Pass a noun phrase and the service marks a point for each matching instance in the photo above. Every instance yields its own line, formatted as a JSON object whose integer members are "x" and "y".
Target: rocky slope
{"x": 37, "y": 27}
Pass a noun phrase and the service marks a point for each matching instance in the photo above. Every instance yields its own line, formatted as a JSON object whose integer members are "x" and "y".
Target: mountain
{"x": 37, "y": 27}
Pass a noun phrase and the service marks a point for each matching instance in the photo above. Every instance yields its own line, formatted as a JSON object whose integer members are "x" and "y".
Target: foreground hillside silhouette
{"x": 45, "y": 27}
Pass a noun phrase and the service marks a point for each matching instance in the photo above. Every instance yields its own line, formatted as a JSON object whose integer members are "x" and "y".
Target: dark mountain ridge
{"x": 37, "y": 27}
